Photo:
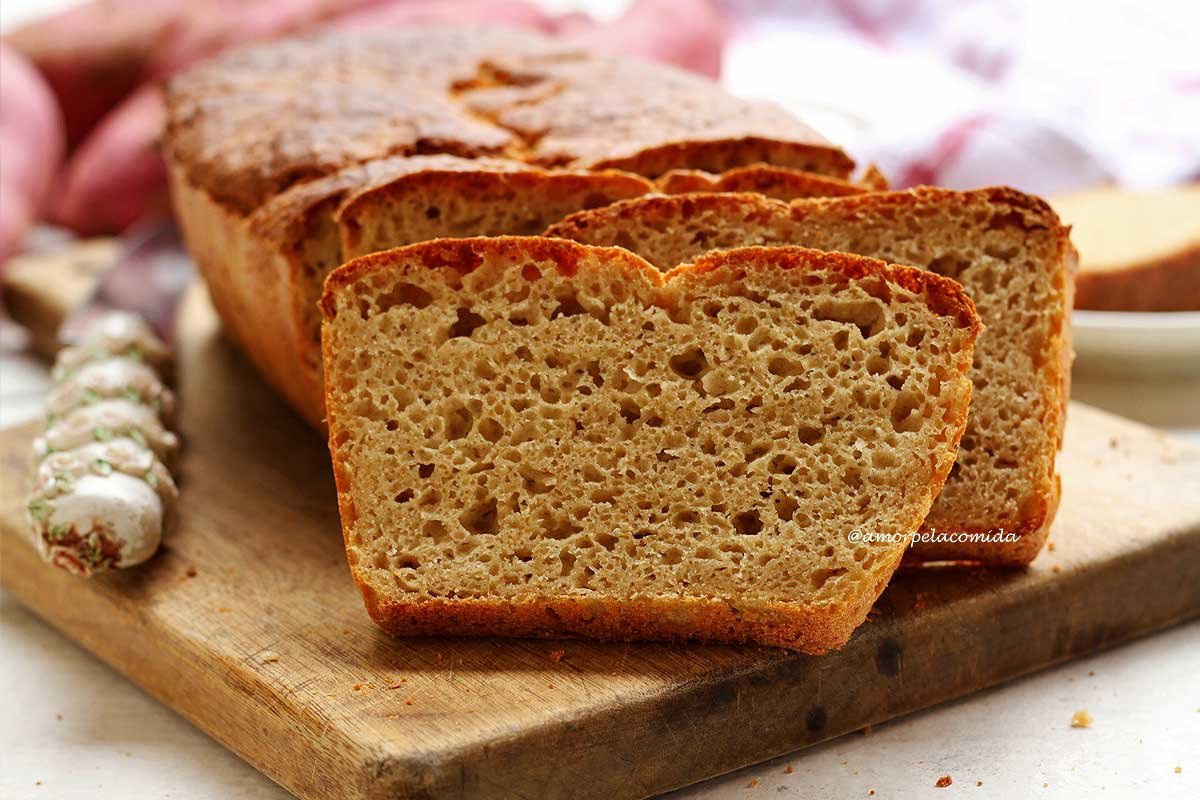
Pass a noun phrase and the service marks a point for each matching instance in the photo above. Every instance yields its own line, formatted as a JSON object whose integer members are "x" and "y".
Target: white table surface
{"x": 72, "y": 728}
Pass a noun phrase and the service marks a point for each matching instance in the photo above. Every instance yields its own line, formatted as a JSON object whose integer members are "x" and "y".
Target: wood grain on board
{"x": 249, "y": 625}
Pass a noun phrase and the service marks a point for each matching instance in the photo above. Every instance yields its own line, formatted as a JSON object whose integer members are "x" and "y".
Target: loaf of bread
{"x": 534, "y": 437}
{"x": 1138, "y": 251}
{"x": 1013, "y": 257}
{"x": 428, "y": 132}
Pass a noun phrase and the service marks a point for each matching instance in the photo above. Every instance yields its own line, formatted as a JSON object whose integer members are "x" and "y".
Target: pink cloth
{"x": 1044, "y": 96}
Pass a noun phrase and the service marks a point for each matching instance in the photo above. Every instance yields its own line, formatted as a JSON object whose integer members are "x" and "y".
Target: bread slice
{"x": 1012, "y": 255}
{"x": 265, "y": 272}
{"x": 778, "y": 182}
{"x": 1139, "y": 251}
{"x": 533, "y": 437}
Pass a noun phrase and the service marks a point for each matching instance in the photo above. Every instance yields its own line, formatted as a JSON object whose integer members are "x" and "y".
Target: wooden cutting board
{"x": 249, "y": 625}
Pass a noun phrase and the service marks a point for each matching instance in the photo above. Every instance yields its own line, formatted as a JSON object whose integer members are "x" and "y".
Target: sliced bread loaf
{"x": 1012, "y": 255}
{"x": 1138, "y": 251}
{"x": 533, "y": 437}
{"x": 265, "y": 273}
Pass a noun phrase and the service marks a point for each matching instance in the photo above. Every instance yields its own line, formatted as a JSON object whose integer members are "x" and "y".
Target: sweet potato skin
{"x": 31, "y": 147}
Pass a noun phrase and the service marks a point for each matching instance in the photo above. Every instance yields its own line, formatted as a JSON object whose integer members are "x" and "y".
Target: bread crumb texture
{"x": 1010, "y": 253}
{"x": 532, "y": 436}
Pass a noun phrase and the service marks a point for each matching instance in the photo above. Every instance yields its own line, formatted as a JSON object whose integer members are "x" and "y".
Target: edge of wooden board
{"x": 722, "y": 721}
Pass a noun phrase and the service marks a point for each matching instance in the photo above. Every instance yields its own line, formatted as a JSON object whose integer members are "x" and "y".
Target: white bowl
{"x": 1116, "y": 344}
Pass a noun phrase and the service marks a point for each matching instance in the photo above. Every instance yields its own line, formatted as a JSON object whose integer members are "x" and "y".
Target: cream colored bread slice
{"x": 1012, "y": 255}
{"x": 1138, "y": 251}
{"x": 533, "y": 437}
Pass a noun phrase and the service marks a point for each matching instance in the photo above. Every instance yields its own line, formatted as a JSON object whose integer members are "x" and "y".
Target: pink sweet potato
{"x": 95, "y": 55}
{"x": 117, "y": 176}
{"x": 686, "y": 33}
{"x": 31, "y": 147}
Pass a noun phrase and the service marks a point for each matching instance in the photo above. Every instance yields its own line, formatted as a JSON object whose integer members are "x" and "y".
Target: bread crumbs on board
{"x": 788, "y": 770}
{"x": 557, "y": 655}
{"x": 1081, "y": 719}
{"x": 408, "y": 702}
{"x": 753, "y": 784}
{"x": 944, "y": 781}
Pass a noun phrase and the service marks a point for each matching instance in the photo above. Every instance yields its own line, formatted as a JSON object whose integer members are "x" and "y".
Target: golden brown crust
{"x": 780, "y": 183}
{"x": 945, "y": 297}
{"x": 482, "y": 178}
{"x": 251, "y": 123}
{"x": 250, "y": 283}
{"x": 1168, "y": 283}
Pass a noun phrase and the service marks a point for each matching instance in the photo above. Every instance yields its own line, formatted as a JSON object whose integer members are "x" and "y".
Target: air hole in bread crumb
{"x": 567, "y": 559}
{"x": 531, "y": 273}
{"x": 607, "y": 541}
{"x": 821, "y": 577}
{"x": 672, "y": 555}
{"x": 404, "y": 496}
{"x": 807, "y": 434}
{"x": 466, "y": 324}
{"x": 783, "y": 464}
{"x": 905, "y": 418}
{"x": 536, "y": 481}
{"x": 747, "y": 523}
{"x": 404, "y": 294}
{"x": 425, "y": 470}
{"x": 568, "y": 307}
{"x": 435, "y": 530}
{"x": 949, "y": 265}
{"x": 408, "y": 562}
{"x": 481, "y": 519}
{"x": 785, "y": 508}
{"x": 691, "y": 363}
{"x": 867, "y": 316}
{"x": 561, "y": 529}
{"x": 784, "y": 366}
{"x": 491, "y": 430}
{"x": 459, "y": 422}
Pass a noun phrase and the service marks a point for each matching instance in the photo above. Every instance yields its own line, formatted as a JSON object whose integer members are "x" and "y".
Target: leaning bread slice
{"x": 533, "y": 437}
{"x": 1012, "y": 255}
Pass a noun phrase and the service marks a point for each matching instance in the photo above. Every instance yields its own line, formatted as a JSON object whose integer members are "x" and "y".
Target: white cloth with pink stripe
{"x": 1045, "y": 96}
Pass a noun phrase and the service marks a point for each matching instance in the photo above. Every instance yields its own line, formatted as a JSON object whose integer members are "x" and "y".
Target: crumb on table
{"x": 557, "y": 655}
{"x": 944, "y": 781}
{"x": 1081, "y": 719}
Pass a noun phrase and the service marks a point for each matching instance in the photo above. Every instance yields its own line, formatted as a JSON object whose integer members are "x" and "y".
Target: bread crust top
{"x": 252, "y": 122}
{"x": 945, "y": 296}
